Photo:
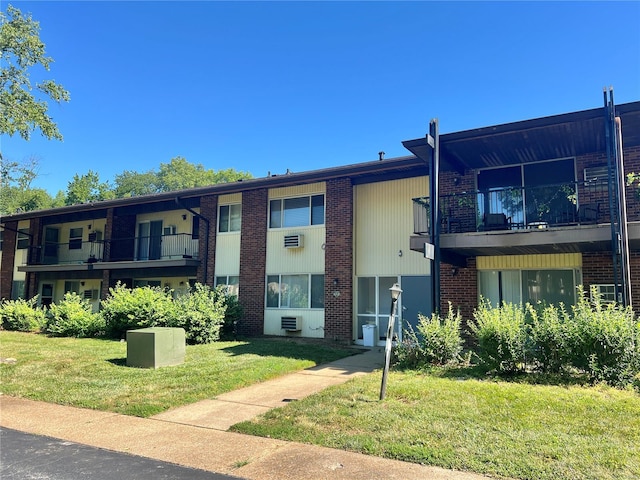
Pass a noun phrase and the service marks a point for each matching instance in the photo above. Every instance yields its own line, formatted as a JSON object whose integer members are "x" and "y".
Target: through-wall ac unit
{"x": 291, "y": 324}
{"x": 596, "y": 174}
{"x": 90, "y": 294}
{"x": 294, "y": 241}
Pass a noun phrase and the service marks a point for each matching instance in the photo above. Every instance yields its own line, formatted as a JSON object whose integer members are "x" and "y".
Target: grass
{"x": 92, "y": 373}
{"x": 510, "y": 429}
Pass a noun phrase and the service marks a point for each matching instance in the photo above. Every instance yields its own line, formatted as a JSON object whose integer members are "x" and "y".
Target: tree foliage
{"x": 21, "y": 49}
{"x": 88, "y": 188}
{"x": 16, "y": 192}
{"x": 179, "y": 174}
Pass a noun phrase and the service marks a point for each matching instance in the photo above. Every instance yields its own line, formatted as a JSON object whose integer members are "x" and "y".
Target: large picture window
{"x": 528, "y": 286}
{"x": 295, "y": 291}
{"x": 231, "y": 282}
{"x": 296, "y": 212}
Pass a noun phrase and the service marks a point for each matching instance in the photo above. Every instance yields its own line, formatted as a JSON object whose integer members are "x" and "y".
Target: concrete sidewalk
{"x": 195, "y": 435}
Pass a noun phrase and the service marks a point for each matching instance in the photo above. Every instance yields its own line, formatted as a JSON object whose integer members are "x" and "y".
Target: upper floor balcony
{"x": 557, "y": 218}
{"x": 132, "y": 252}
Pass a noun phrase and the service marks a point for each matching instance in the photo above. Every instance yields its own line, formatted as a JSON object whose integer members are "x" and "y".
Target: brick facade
{"x": 9, "y": 239}
{"x": 338, "y": 258}
{"x": 207, "y": 243}
{"x": 253, "y": 252}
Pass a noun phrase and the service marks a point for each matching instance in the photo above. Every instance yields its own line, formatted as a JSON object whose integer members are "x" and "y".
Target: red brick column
{"x": 460, "y": 287}
{"x": 9, "y": 239}
{"x": 253, "y": 252}
{"x": 207, "y": 244}
{"x": 338, "y": 259}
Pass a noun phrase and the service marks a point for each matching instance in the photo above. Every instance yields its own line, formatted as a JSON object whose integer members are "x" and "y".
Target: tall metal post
{"x": 395, "y": 294}
{"x": 435, "y": 219}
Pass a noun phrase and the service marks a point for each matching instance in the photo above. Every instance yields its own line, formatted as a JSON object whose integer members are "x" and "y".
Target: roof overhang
{"x": 559, "y": 136}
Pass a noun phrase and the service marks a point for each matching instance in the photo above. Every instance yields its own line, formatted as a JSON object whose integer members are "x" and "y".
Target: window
{"x": 17, "y": 289}
{"x": 232, "y": 283}
{"x": 72, "y": 286}
{"x": 607, "y": 293}
{"x": 169, "y": 230}
{"x": 229, "y": 218}
{"x": 296, "y": 212}
{"x": 528, "y": 286}
{"x": 75, "y": 239}
{"x": 23, "y": 238}
{"x": 146, "y": 283}
{"x": 295, "y": 291}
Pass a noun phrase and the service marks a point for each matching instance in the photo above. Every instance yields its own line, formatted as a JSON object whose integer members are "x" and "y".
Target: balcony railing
{"x": 514, "y": 208}
{"x": 134, "y": 249}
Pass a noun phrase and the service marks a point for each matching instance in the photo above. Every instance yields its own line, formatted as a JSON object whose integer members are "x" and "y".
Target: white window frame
{"x": 234, "y": 209}
{"x": 232, "y": 288}
{"x": 282, "y": 219}
{"x": 310, "y": 279}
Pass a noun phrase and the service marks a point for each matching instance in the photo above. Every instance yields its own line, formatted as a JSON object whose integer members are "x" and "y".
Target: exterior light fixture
{"x": 395, "y": 294}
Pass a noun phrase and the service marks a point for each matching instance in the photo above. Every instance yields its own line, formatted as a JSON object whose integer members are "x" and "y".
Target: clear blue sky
{"x": 268, "y": 86}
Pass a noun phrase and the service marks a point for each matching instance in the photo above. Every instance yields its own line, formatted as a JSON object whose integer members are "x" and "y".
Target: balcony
{"x": 132, "y": 252}
{"x": 568, "y": 217}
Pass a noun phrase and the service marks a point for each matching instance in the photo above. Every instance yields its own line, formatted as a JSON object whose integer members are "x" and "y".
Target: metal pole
{"x": 395, "y": 294}
{"x": 434, "y": 195}
{"x": 387, "y": 349}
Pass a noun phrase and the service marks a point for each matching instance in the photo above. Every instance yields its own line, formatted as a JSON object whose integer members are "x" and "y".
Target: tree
{"x": 16, "y": 193}
{"x": 179, "y": 174}
{"x": 132, "y": 184}
{"x": 88, "y": 188}
{"x": 21, "y": 49}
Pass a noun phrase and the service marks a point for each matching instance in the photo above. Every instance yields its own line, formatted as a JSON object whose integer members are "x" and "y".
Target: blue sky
{"x": 270, "y": 86}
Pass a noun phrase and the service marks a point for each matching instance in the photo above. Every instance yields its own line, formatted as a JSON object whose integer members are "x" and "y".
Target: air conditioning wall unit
{"x": 294, "y": 241}
{"x": 291, "y": 323}
{"x": 90, "y": 294}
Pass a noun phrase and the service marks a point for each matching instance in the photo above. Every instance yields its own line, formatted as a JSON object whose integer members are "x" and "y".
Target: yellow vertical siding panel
{"x": 297, "y": 190}
{"x": 230, "y": 198}
{"x": 228, "y": 254}
{"x": 383, "y": 224}
{"x": 308, "y": 259}
{"x": 529, "y": 262}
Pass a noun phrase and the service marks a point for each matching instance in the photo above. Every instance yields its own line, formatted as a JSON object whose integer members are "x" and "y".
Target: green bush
{"x": 437, "y": 341}
{"x": 22, "y": 315}
{"x": 73, "y": 317}
{"x": 232, "y": 316}
{"x": 606, "y": 343}
{"x": 501, "y": 335}
{"x": 128, "y": 309}
{"x": 551, "y": 333}
{"x": 201, "y": 313}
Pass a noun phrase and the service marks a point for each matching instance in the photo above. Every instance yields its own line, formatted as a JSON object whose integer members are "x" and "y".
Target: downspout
{"x": 206, "y": 245}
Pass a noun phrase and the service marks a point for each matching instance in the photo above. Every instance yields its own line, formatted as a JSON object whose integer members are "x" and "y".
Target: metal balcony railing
{"x": 513, "y": 208}
{"x": 141, "y": 248}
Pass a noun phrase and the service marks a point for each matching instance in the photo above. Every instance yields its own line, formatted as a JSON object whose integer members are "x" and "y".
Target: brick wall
{"x": 338, "y": 310}
{"x": 253, "y": 251}
{"x": 8, "y": 259}
{"x": 460, "y": 287}
{"x": 207, "y": 245}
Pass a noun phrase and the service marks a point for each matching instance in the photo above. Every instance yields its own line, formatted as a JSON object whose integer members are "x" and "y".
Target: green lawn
{"x": 92, "y": 373}
{"x": 493, "y": 427}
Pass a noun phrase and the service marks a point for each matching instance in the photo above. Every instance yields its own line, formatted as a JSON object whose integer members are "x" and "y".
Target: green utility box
{"x": 155, "y": 347}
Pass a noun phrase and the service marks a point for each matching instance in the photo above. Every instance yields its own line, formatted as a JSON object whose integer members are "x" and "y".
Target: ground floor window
{"x": 17, "y": 289}
{"x": 146, "y": 283}
{"x": 231, "y": 282}
{"x": 295, "y": 291}
{"x": 529, "y": 286}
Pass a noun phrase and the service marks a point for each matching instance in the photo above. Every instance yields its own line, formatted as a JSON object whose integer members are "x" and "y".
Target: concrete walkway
{"x": 196, "y": 435}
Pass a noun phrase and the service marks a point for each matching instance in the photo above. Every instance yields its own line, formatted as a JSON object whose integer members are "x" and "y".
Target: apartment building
{"x": 524, "y": 216}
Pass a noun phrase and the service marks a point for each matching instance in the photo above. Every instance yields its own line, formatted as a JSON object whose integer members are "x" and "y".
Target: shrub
{"x": 606, "y": 341}
{"x": 437, "y": 341}
{"x": 501, "y": 335}
{"x": 201, "y": 313}
{"x": 21, "y": 315}
{"x": 232, "y": 316}
{"x": 73, "y": 317}
{"x": 551, "y": 332}
{"x": 128, "y": 309}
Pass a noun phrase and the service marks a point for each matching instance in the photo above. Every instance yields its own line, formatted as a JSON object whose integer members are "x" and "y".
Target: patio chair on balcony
{"x": 588, "y": 213}
{"x": 496, "y": 221}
